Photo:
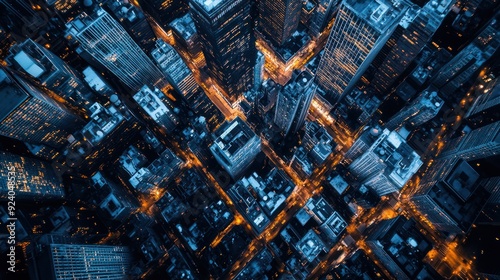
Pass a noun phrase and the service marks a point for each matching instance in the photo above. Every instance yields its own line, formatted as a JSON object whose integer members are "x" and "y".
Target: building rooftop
{"x": 210, "y": 5}
{"x": 232, "y": 136}
{"x": 401, "y": 160}
{"x": 403, "y": 242}
{"x": 151, "y": 103}
{"x": 310, "y": 246}
{"x": 462, "y": 180}
{"x": 184, "y": 26}
{"x": 104, "y": 120}
{"x": 339, "y": 184}
{"x": 380, "y": 14}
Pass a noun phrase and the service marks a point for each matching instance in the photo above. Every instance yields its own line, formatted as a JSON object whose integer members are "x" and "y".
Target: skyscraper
{"x": 414, "y": 31}
{"x": 34, "y": 179}
{"x": 76, "y": 261}
{"x": 278, "y": 19}
{"x": 321, "y": 15}
{"x": 235, "y": 146}
{"x": 486, "y": 108}
{"x": 420, "y": 110}
{"x": 360, "y": 30}
{"x": 387, "y": 165}
{"x": 181, "y": 78}
{"x": 451, "y": 195}
{"x": 225, "y": 28}
{"x": 470, "y": 59}
{"x": 293, "y": 103}
{"x": 480, "y": 143}
{"x": 103, "y": 38}
{"x": 48, "y": 70}
{"x": 29, "y": 115}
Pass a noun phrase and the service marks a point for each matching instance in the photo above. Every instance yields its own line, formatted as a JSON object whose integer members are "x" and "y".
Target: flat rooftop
{"x": 380, "y": 14}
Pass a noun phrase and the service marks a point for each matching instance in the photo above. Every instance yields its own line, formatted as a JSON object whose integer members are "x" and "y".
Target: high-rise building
{"x": 469, "y": 60}
{"x": 278, "y": 19}
{"x": 400, "y": 247}
{"x": 181, "y": 78}
{"x": 29, "y": 115}
{"x": 134, "y": 21}
{"x": 480, "y": 143}
{"x": 387, "y": 165}
{"x": 106, "y": 41}
{"x": 77, "y": 261}
{"x": 235, "y": 146}
{"x": 363, "y": 143}
{"x": 33, "y": 180}
{"x": 293, "y": 103}
{"x": 411, "y": 35}
{"x": 320, "y": 16}
{"x": 225, "y": 28}
{"x": 360, "y": 30}
{"x": 422, "y": 109}
{"x": 153, "y": 102}
{"x": 486, "y": 107}
{"x": 49, "y": 71}
{"x": 451, "y": 195}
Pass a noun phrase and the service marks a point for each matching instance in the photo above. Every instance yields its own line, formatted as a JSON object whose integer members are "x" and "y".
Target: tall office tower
{"x": 134, "y": 21}
{"x": 258, "y": 71}
{"x": 363, "y": 143}
{"x": 469, "y": 60}
{"x": 163, "y": 11}
{"x": 278, "y": 19}
{"x": 235, "y": 146}
{"x": 411, "y": 35}
{"x": 28, "y": 115}
{"x": 33, "y": 179}
{"x": 51, "y": 72}
{"x": 321, "y": 15}
{"x": 103, "y": 38}
{"x": 293, "y": 103}
{"x": 491, "y": 211}
{"x": 225, "y": 28}
{"x": 486, "y": 107}
{"x": 181, "y": 78}
{"x": 360, "y": 30}
{"x": 480, "y": 143}
{"x": 157, "y": 109}
{"x": 451, "y": 195}
{"x": 387, "y": 165}
{"x": 420, "y": 110}
{"x": 400, "y": 247}
{"x": 76, "y": 261}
